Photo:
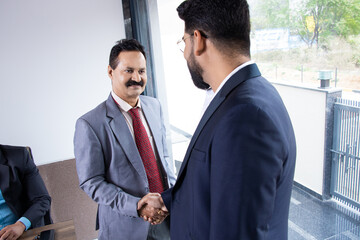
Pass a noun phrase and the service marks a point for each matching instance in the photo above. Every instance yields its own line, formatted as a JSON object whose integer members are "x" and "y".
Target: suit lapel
{"x": 153, "y": 123}
{"x": 4, "y": 173}
{"x": 215, "y": 103}
{"x": 121, "y": 131}
{"x": 243, "y": 74}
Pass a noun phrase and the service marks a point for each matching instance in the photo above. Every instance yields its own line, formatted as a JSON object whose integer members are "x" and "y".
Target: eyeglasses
{"x": 181, "y": 42}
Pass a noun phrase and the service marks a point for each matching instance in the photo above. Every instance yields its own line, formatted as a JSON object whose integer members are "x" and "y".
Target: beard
{"x": 196, "y": 73}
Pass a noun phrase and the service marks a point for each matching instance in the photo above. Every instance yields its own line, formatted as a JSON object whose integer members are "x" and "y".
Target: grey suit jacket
{"x": 110, "y": 168}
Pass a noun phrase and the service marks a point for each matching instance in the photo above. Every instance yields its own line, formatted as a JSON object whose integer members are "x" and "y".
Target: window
{"x": 293, "y": 41}
{"x": 297, "y": 40}
{"x": 184, "y": 100}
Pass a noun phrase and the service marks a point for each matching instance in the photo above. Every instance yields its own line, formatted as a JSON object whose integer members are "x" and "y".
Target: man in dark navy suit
{"x": 24, "y": 200}
{"x": 236, "y": 178}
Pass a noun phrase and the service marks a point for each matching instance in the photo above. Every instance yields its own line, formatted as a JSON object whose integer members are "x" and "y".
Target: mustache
{"x": 134, "y": 83}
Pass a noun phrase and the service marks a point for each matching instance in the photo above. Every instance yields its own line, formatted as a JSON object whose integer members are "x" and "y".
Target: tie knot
{"x": 134, "y": 112}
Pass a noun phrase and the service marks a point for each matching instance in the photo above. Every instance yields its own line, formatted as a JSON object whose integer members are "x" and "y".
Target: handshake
{"x": 152, "y": 208}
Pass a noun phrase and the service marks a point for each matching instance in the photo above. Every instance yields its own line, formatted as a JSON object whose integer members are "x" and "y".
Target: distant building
{"x": 274, "y": 39}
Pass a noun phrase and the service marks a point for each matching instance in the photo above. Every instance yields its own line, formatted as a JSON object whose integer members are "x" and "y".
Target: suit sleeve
{"x": 167, "y": 198}
{"x": 35, "y": 190}
{"x": 90, "y": 165}
{"x": 246, "y": 161}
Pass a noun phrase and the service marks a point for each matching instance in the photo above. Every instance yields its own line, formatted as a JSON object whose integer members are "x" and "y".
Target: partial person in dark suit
{"x": 116, "y": 166}
{"x": 236, "y": 178}
{"x": 24, "y": 200}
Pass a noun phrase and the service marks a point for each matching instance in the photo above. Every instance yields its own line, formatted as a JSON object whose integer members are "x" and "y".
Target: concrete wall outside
{"x": 308, "y": 109}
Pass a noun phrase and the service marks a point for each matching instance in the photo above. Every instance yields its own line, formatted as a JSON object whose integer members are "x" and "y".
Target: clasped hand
{"x": 152, "y": 208}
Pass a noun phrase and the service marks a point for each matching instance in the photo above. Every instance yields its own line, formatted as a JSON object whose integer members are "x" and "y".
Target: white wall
{"x": 307, "y": 109}
{"x": 53, "y": 61}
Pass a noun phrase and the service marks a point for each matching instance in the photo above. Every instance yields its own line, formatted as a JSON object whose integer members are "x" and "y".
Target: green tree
{"x": 269, "y": 14}
{"x": 346, "y": 17}
{"x": 307, "y": 19}
{"x": 329, "y": 18}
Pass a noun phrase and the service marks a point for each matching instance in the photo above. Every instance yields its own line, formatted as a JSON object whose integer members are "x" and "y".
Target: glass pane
{"x": 184, "y": 99}
{"x": 297, "y": 40}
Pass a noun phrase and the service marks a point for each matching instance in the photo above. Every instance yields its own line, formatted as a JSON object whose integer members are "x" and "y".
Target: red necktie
{"x": 146, "y": 153}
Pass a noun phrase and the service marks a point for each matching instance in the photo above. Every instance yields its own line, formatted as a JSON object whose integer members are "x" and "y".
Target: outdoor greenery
{"x": 328, "y": 29}
{"x": 315, "y": 21}
{"x": 318, "y": 20}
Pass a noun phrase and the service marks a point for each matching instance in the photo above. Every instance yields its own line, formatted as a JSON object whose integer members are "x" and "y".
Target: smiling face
{"x": 129, "y": 77}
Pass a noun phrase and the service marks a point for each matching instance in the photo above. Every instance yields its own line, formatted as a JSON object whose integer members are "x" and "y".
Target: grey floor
{"x": 311, "y": 218}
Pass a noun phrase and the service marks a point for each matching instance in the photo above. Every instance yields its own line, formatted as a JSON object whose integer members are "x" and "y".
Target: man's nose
{"x": 136, "y": 77}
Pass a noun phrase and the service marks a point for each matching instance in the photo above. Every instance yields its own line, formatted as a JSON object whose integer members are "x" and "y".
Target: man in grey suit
{"x": 113, "y": 166}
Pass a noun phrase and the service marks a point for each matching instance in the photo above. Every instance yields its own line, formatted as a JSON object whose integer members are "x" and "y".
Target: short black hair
{"x": 124, "y": 45}
{"x": 225, "y": 22}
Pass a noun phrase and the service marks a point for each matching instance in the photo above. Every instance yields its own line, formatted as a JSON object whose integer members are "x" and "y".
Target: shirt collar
{"x": 232, "y": 73}
{"x": 123, "y": 104}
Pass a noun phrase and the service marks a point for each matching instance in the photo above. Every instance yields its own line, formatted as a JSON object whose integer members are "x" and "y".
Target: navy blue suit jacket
{"x": 22, "y": 186}
{"x": 236, "y": 178}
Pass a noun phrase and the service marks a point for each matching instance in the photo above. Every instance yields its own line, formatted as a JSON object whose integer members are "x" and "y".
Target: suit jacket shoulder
{"x": 16, "y": 151}
{"x": 94, "y": 114}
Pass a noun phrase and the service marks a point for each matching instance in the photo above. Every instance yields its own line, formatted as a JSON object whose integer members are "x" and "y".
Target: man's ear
{"x": 199, "y": 43}
{"x": 110, "y": 72}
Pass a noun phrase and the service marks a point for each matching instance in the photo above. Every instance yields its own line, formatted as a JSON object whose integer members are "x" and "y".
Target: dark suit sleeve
{"x": 35, "y": 191}
{"x": 166, "y": 196}
{"x": 246, "y": 161}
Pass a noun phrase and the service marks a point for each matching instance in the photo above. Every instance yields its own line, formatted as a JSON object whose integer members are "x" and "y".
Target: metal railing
{"x": 345, "y": 179}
